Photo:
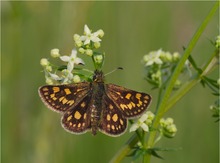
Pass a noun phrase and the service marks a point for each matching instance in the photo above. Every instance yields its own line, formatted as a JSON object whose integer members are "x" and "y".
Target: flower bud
{"x": 76, "y": 79}
{"x": 44, "y": 62}
{"x": 55, "y": 53}
{"x": 89, "y": 52}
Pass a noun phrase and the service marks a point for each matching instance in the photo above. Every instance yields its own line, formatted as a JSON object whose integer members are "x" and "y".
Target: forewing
{"x": 113, "y": 123}
{"x": 77, "y": 119}
{"x": 62, "y": 97}
{"x": 130, "y": 103}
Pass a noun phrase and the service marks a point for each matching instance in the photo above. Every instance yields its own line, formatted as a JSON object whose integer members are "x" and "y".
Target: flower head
{"x": 140, "y": 123}
{"x": 89, "y": 36}
{"x": 153, "y": 58}
{"x": 168, "y": 128}
{"x": 72, "y": 59}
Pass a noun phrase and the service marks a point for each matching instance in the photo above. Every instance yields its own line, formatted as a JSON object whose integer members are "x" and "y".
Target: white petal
{"x": 55, "y": 77}
{"x": 87, "y": 30}
{"x": 95, "y": 34}
{"x": 87, "y": 41}
{"x": 83, "y": 38}
{"x": 133, "y": 127}
{"x": 158, "y": 61}
{"x": 65, "y": 58}
{"x": 70, "y": 66}
{"x": 150, "y": 62}
{"x": 79, "y": 61}
{"x": 73, "y": 53}
{"x": 95, "y": 39}
{"x": 143, "y": 118}
{"x": 145, "y": 127}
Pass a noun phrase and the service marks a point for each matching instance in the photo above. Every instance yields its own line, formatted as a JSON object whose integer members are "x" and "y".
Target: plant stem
{"x": 190, "y": 84}
{"x": 162, "y": 108}
{"x": 123, "y": 152}
{"x": 169, "y": 88}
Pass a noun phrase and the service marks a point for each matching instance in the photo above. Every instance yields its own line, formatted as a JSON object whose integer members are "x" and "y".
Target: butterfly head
{"x": 98, "y": 76}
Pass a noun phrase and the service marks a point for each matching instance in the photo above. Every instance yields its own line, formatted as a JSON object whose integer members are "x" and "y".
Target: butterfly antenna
{"x": 118, "y": 68}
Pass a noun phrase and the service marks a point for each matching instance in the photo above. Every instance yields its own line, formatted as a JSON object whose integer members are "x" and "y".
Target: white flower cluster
{"x": 89, "y": 41}
{"x": 160, "y": 57}
{"x": 159, "y": 65}
{"x": 85, "y": 45}
{"x": 168, "y": 128}
{"x": 65, "y": 76}
{"x": 143, "y": 122}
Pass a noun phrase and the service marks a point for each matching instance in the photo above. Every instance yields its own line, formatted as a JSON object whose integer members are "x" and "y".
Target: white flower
{"x": 153, "y": 57}
{"x": 140, "y": 123}
{"x": 89, "y": 36}
{"x": 72, "y": 59}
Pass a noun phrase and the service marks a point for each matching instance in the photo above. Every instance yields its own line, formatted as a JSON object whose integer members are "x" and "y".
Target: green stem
{"x": 169, "y": 88}
{"x": 123, "y": 152}
{"x": 134, "y": 139}
{"x": 190, "y": 84}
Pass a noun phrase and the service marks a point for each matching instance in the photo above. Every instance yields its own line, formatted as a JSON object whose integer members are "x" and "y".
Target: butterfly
{"x": 94, "y": 106}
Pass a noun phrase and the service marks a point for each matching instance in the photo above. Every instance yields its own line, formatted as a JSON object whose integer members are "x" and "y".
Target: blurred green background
{"x": 32, "y": 133}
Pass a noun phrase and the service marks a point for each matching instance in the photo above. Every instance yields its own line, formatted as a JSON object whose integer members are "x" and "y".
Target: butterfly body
{"x": 94, "y": 105}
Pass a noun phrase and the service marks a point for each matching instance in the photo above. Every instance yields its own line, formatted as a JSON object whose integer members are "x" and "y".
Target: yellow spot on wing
{"x": 77, "y": 115}
{"x": 133, "y": 104}
{"x": 115, "y": 117}
{"x": 140, "y": 102}
{"x": 130, "y": 106}
{"x": 108, "y": 117}
{"x": 138, "y": 96}
{"x": 85, "y": 116}
{"x": 123, "y": 106}
{"x": 45, "y": 89}
{"x": 83, "y": 105}
{"x": 121, "y": 121}
{"x": 67, "y": 91}
{"x": 110, "y": 106}
{"x": 128, "y": 96}
{"x": 64, "y": 101}
{"x": 69, "y": 118}
{"x": 56, "y": 89}
{"x": 52, "y": 95}
{"x": 70, "y": 102}
{"x": 46, "y": 93}
{"x": 61, "y": 98}
{"x": 118, "y": 93}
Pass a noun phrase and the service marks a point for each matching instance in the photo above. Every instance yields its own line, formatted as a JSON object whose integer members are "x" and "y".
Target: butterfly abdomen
{"x": 96, "y": 105}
